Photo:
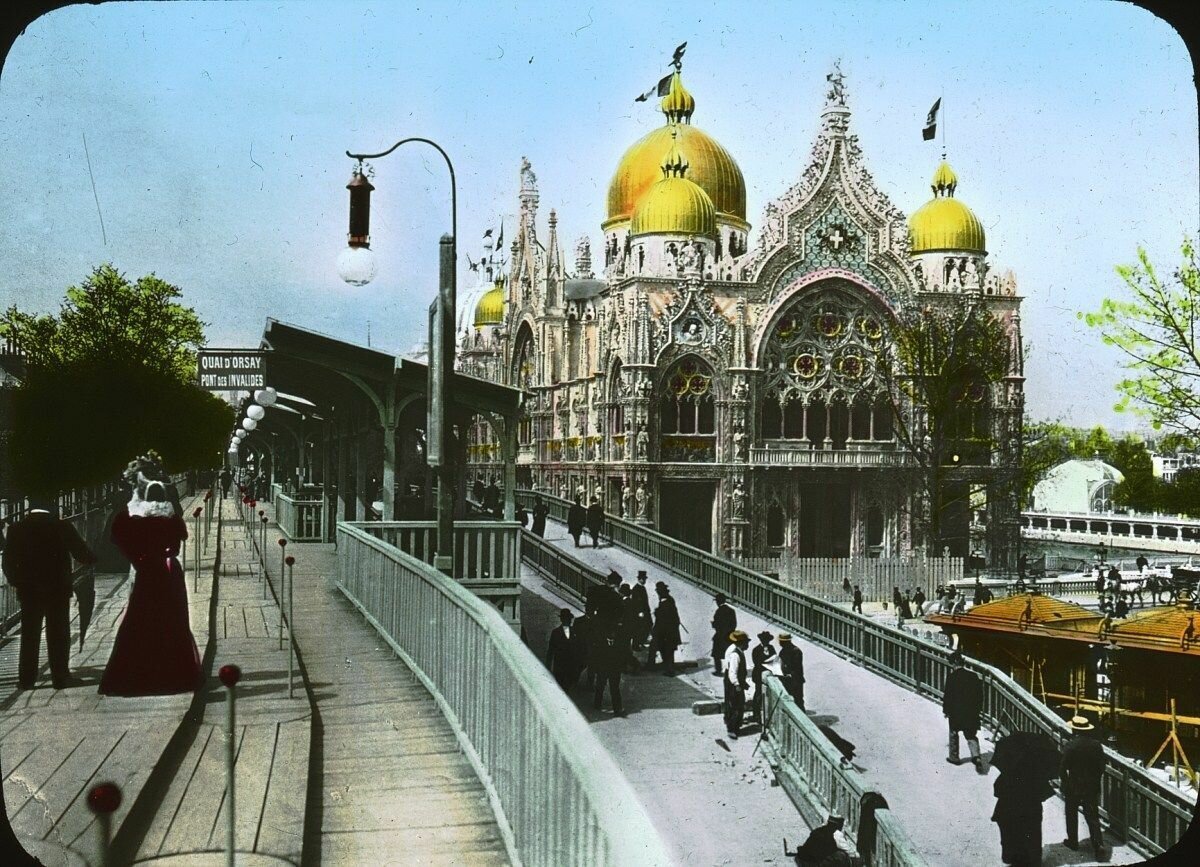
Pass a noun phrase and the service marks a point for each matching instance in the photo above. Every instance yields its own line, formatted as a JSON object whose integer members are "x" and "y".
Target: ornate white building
{"x": 726, "y": 389}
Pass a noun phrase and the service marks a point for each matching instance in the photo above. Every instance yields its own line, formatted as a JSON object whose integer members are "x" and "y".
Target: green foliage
{"x": 107, "y": 319}
{"x": 1050, "y": 443}
{"x": 1140, "y": 490}
{"x": 112, "y": 375}
{"x": 1182, "y": 496}
{"x": 1155, "y": 327}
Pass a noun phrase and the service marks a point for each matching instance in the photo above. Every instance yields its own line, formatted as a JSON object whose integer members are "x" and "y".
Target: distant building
{"x": 1166, "y": 466}
{"x": 12, "y": 373}
{"x": 721, "y": 386}
{"x": 1077, "y": 486}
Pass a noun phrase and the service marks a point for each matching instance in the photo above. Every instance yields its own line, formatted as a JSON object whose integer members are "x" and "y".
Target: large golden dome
{"x": 674, "y": 205}
{"x": 490, "y": 309}
{"x": 710, "y": 165}
{"x": 944, "y": 223}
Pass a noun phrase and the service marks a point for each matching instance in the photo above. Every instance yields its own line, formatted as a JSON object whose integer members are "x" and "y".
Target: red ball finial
{"x": 290, "y": 560}
{"x": 245, "y": 501}
{"x": 104, "y": 798}
{"x": 253, "y": 503}
{"x": 229, "y": 674}
{"x": 197, "y": 512}
{"x": 283, "y": 543}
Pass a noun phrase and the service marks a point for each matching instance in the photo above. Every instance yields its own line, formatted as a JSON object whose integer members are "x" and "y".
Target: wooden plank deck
{"x": 393, "y": 778}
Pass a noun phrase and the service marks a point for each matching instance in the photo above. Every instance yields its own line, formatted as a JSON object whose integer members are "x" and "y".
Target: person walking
{"x": 791, "y": 661}
{"x": 1142, "y": 563}
{"x": 856, "y": 605}
{"x": 522, "y": 515}
{"x": 1081, "y": 769}
{"x": 226, "y": 479}
{"x": 724, "y": 621}
{"x": 1026, "y": 761}
{"x": 37, "y": 563}
{"x": 644, "y": 620}
{"x": 846, "y": 585}
{"x": 610, "y": 654}
{"x": 595, "y": 520}
{"x": 562, "y": 655}
{"x": 896, "y": 597}
{"x": 478, "y": 490}
{"x": 665, "y": 638}
{"x": 919, "y": 601}
{"x": 759, "y": 657}
{"x": 576, "y": 519}
{"x": 906, "y": 606}
{"x": 735, "y": 682}
{"x": 962, "y": 700}
{"x": 494, "y": 499}
{"x": 540, "y": 511}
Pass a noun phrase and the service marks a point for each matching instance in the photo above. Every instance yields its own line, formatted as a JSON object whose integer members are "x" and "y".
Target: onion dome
{"x": 944, "y": 223}
{"x": 490, "y": 309}
{"x": 674, "y": 205}
{"x": 710, "y": 165}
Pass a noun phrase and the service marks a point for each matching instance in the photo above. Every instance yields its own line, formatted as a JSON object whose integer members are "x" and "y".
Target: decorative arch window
{"x": 819, "y": 359}
{"x": 523, "y": 364}
{"x": 616, "y": 410}
{"x": 687, "y": 400}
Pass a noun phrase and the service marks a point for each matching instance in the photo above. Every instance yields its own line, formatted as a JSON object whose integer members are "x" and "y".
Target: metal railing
{"x": 1141, "y": 808}
{"x": 483, "y": 550}
{"x": 572, "y": 577}
{"x": 557, "y": 795}
{"x": 299, "y": 520}
{"x": 813, "y": 773}
{"x": 825, "y": 577}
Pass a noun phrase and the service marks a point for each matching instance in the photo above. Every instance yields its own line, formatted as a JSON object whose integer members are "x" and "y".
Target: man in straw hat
{"x": 1081, "y": 770}
{"x": 760, "y": 656}
{"x": 735, "y": 681}
{"x": 791, "y": 661}
{"x": 962, "y": 699}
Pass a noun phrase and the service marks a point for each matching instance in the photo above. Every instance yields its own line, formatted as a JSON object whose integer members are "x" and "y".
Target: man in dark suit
{"x": 791, "y": 661}
{"x": 576, "y": 520}
{"x": 1081, "y": 770}
{"x": 643, "y": 609}
{"x": 563, "y": 656}
{"x": 37, "y": 563}
{"x": 962, "y": 699}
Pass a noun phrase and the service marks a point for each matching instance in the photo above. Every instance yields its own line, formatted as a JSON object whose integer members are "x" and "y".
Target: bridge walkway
{"x": 388, "y": 782}
{"x": 900, "y": 738}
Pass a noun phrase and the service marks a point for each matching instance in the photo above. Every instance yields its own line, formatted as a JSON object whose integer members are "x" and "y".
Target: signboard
{"x": 229, "y": 369}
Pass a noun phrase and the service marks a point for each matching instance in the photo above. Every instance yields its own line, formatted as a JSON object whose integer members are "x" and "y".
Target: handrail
{"x": 557, "y": 794}
{"x": 1139, "y": 806}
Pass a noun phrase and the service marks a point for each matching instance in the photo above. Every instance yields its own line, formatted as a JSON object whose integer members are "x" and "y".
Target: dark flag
{"x": 678, "y": 56}
{"x": 930, "y": 129}
{"x": 500, "y": 237}
{"x": 474, "y": 266}
{"x": 661, "y": 89}
{"x": 488, "y": 233}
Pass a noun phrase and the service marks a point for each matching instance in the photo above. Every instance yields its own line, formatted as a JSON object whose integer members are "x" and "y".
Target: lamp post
{"x": 356, "y": 266}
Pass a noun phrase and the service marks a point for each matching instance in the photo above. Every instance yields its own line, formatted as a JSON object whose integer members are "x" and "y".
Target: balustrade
{"x": 301, "y": 520}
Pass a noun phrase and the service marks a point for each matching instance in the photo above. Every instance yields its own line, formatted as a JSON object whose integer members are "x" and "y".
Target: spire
{"x": 674, "y": 164}
{"x": 554, "y": 266}
{"x": 678, "y": 104}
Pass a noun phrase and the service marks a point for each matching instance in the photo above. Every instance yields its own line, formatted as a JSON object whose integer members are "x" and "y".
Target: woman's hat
{"x": 1080, "y": 724}
{"x": 765, "y": 636}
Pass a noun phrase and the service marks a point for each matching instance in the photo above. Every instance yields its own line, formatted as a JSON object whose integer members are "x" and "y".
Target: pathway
{"x": 388, "y": 783}
{"x": 900, "y": 737}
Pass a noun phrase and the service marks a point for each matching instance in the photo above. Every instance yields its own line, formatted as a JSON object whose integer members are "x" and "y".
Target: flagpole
{"x": 943, "y": 99}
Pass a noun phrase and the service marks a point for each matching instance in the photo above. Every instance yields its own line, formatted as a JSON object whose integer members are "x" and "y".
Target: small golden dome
{"x": 490, "y": 309}
{"x": 944, "y": 223}
{"x": 711, "y": 166}
{"x": 674, "y": 205}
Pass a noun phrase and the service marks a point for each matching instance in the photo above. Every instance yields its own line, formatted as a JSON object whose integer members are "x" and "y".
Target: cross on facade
{"x": 835, "y": 238}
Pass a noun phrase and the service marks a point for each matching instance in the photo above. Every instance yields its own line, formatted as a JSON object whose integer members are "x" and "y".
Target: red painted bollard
{"x": 290, "y": 561}
{"x": 103, "y": 800}
{"x": 230, "y": 675}
{"x": 262, "y": 537}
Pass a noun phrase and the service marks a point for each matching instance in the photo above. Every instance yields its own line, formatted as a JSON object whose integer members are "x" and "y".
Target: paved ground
{"x": 389, "y": 783}
{"x": 900, "y": 738}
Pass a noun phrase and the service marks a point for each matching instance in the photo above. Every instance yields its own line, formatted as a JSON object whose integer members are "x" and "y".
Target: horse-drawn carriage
{"x": 1184, "y": 579}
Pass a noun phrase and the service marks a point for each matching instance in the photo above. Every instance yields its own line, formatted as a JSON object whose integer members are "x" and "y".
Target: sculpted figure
{"x": 737, "y": 501}
{"x": 643, "y": 443}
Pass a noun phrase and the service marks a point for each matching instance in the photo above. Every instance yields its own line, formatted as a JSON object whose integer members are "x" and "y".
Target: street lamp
{"x": 356, "y": 265}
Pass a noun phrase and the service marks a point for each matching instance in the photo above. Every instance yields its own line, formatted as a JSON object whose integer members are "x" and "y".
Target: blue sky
{"x": 216, "y": 135}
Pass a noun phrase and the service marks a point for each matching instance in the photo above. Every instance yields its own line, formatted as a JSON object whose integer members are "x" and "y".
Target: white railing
{"x": 558, "y": 797}
{"x": 824, "y": 577}
{"x": 299, "y": 520}
{"x": 793, "y": 457}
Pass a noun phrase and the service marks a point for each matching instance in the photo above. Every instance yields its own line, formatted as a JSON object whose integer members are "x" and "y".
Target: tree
{"x": 942, "y": 366}
{"x": 1155, "y": 328}
{"x": 1140, "y": 490}
{"x": 113, "y": 374}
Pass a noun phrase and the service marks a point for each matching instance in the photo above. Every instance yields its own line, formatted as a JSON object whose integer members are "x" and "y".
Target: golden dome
{"x": 674, "y": 205}
{"x": 711, "y": 166}
{"x": 944, "y": 223}
{"x": 490, "y": 309}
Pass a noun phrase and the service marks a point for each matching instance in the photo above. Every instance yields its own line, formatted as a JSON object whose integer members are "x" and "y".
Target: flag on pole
{"x": 661, "y": 89}
{"x": 500, "y": 237}
{"x": 930, "y": 129}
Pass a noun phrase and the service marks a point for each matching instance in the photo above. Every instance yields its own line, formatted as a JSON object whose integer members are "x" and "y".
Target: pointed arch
{"x": 524, "y": 373}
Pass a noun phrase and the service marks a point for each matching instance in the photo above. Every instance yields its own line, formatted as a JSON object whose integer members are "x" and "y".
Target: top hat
{"x": 641, "y": 575}
{"x": 720, "y": 598}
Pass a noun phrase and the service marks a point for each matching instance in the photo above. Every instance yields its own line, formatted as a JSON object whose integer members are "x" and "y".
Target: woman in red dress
{"x": 155, "y": 653}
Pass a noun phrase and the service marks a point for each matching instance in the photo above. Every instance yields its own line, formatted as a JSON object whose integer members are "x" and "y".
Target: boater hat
{"x": 1080, "y": 724}
{"x": 737, "y": 635}
{"x": 785, "y": 637}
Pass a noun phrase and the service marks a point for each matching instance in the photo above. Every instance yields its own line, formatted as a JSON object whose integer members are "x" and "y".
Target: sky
{"x": 205, "y": 142}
